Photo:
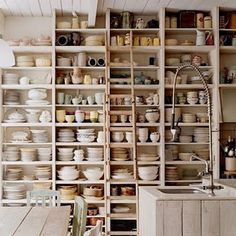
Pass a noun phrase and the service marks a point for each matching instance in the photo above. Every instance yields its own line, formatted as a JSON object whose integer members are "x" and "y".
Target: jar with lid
{"x": 173, "y": 22}
{"x": 207, "y": 22}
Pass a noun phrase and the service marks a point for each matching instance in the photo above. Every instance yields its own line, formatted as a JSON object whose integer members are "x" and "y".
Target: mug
{"x": 60, "y": 115}
{"x": 24, "y": 80}
{"x": 68, "y": 99}
{"x": 92, "y": 61}
{"x": 84, "y": 24}
{"x": 90, "y": 100}
{"x": 60, "y": 98}
{"x": 101, "y": 62}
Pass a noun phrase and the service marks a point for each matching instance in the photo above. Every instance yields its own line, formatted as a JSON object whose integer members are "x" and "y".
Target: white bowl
{"x": 93, "y": 175}
{"x": 146, "y": 176}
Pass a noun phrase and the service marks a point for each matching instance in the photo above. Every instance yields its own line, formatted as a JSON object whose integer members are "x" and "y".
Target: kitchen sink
{"x": 181, "y": 191}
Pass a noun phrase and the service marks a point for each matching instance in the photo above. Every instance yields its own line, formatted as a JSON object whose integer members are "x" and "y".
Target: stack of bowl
{"x": 201, "y": 135}
{"x": 122, "y": 173}
{"x": 28, "y": 154}
{"x": 65, "y": 154}
{"x": 42, "y": 185}
{"x": 94, "y": 154}
{"x": 68, "y": 173}
{"x": 25, "y": 61}
{"x": 68, "y": 192}
{"x": 93, "y": 192}
{"x": 11, "y": 154}
{"x": 188, "y": 118}
{"x": 93, "y": 174}
{"x": 119, "y": 154}
{"x": 14, "y": 191}
{"x": 86, "y": 135}
{"x": 10, "y": 78}
{"x": 66, "y": 135}
{"x": 148, "y": 172}
{"x": 143, "y": 135}
{"x": 44, "y": 154}
{"x": 192, "y": 97}
{"x": 43, "y": 172}
{"x": 148, "y": 157}
{"x": 117, "y": 136}
{"x": 39, "y": 136}
{"x": 13, "y": 173}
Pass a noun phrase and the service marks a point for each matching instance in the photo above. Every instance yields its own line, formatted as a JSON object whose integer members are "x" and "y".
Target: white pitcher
{"x": 200, "y": 40}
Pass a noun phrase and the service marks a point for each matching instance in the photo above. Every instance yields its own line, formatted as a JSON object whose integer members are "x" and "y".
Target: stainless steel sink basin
{"x": 181, "y": 191}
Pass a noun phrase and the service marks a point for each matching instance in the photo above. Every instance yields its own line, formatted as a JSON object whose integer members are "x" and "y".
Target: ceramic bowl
{"x": 117, "y": 136}
{"x": 147, "y": 176}
{"x": 43, "y": 62}
{"x": 152, "y": 115}
{"x": 93, "y": 174}
{"x": 185, "y": 156}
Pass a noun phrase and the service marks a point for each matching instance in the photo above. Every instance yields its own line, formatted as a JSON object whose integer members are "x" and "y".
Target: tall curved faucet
{"x": 209, "y": 168}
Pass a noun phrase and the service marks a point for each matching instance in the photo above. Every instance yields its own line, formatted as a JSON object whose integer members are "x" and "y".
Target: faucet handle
{"x": 203, "y": 173}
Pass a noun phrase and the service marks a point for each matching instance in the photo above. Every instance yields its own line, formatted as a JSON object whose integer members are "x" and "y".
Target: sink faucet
{"x": 209, "y": 166}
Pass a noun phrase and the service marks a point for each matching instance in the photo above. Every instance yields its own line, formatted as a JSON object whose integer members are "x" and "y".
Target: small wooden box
{"x": 187, "y": 19}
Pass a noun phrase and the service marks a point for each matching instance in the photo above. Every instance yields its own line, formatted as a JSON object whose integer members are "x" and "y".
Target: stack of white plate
{"x": 201, "y": 135}
{"x": 188, "y": 118}
{"x": 10, "y": 78}
{"x": 65, "y": 154}
{"x": 39, "y": 136}
{"x": 28, "y": 154}
{"x": 13, "y": 173}
{"x": 119, "y": 154}
{"x": 12, "y": 98}
{"x": 148, "y": 157}
{"x": 86, "y": 135}
{"x": 172, "y": 173}
{"x": 66, "y": 135}
{"x": 14, "y": 191}
{"x": 68, "y": 173}
{"x": 43, "y": 172}
{"x": 20, "y": 137}
{"x": 94, "y": 154}
{"x": 15, "y": 117}
{"x": 148, "y": 173}
{"x": 11, "y": 154}
{"x": 122, "y": 173}
{"x": 25, "y": 61}
{"x": 44, "y": 154}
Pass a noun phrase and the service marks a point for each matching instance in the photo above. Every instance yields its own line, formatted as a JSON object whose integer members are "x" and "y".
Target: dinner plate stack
{"x": 86, "y": 135}
{"x": 68, "y": 192}
{"x": 14, "y": 191}
{"x": 44, "y": 154}
{"x": 66, "y": 135}
{"x": 122, "y": 173}
{"x": 39, "y": 136}
{"x": 65, "y": 154}
{"x": 201, "y": 135}
{"x": 119, "y": 154}
{"x": 172, "y": 173}
{"x": 43, "y": 172}
{"x": 10, "y": 78}
{"x": 28, "y": 154}
{"x": 68, "y": 173}
{"x": 94, "y": 154}
{"x": 148, "y": 157}
{"x": 24, "y": 61}
{"x": 11, "y": 154}
{"x": 11, "y": 98}
{"x": 13, "y": 173}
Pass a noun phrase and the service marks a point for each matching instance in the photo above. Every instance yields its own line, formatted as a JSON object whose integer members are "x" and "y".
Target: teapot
{"x": 77, "y": 100}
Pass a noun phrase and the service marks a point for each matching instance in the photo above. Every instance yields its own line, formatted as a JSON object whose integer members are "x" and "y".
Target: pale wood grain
{"x": 10, "y": 218}
{"x": 211, "y": 218}
{"x": 191, "y": 218}
{"x": 159, "y": 218}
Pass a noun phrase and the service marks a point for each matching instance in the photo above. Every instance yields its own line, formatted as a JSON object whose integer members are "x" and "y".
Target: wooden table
{"x": 34, "y": 221}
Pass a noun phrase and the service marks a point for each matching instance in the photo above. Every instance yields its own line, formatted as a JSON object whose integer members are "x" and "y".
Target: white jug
{"x": 200, "y": 40}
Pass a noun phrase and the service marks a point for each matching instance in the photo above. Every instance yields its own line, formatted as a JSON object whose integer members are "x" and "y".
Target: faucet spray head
{"x": 173, "y": 128}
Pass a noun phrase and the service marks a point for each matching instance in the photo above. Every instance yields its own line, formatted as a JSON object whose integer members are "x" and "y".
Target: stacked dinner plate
{"x": 65, "y": 154}
{"x": 122, "y": 173}
{"x": 148, "y": 157}
{"x": 28, "y": 154}
{"x": 44, "y": 153}
{"x": 66, "y": 135}
{"x": 13, "y": 173}
{"x": 172, "y": 173}
{"x": 119, "y": 154}
{"x": 11, "y": 154}
{"x": 14, "y": 191}
{"x": 24, "y": 61}
{"x": 68, "y": 173}
{"x": 11, "y": 98}
{"x": 43, "y": 172}
{"x": 94, "y": 154}
{"x": 86, "y": 135}
{"x": 201, "y": 135}
{"x": 68, "y": 192}
{"x": 39, "y": 136}
{"x": 10, "y": 78}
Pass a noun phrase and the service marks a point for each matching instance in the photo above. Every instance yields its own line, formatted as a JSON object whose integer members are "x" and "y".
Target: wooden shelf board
{"x": 81, "y": 86}
{"x": 76, "y": 49}
{"x": 198, "y": 49}
{"x": 32, "y": 49}
{"x": 25, "y": 87}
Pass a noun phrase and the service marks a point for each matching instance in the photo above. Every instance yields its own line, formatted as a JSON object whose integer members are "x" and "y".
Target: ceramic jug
{"x": 200, "y": 40}
{"x": 76, "y": 76}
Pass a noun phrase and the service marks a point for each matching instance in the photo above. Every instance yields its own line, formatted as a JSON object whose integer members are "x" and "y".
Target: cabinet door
{"x": 211, "y": 218}
{"x": 191, "y": 218}
{"x": 173, "y": 218}
{"x": 227, "y": 218}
